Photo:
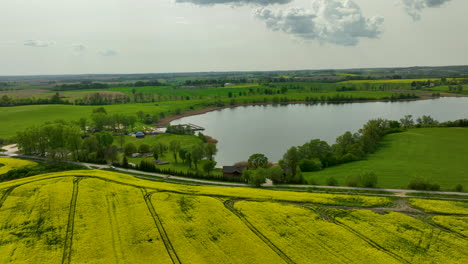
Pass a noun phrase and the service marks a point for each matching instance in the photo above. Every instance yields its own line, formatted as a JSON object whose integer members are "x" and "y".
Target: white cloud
{"x": 38, "y": 43}
{"x": 108, "y": 53}
{"x": 339, "y": 22}
{"x": 414, "y": 7}
{"x": 235, "y": 2}
{"x": 79, "y": 47}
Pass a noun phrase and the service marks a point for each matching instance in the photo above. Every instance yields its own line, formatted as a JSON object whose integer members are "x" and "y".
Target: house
{"x": 140, "y": 134}
{"x": 233, "y": 171}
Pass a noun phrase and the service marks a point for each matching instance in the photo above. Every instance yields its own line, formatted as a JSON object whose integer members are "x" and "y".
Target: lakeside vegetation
{"x": 66, "y": 215}
{"x": 433, "y": 155}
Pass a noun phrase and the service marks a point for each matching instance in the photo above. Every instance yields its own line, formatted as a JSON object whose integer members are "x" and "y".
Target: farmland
{"x": 9, "y": 164}
{"x": 106, "y": 217}
{"x": 436, "y": 154}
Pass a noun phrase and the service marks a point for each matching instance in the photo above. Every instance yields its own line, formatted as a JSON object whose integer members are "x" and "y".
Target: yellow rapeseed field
{"x": 303, "y": 235}
{"x": 202, "y": 230}
{"x": 437, "y": 206}
{"x": 10, "y": 164}
{"x": 106, "y": 217}
{"x": 409, "y": 238}
{"x": 33, "y": 222}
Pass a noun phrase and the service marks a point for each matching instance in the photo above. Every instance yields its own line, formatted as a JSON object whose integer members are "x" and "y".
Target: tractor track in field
{"x": 229, "y": 204}
{"x": 162, "y": 232}
{"x": 115, "y": 235}
{"x": 5, "y": 195}
{"x": 67, "y": 249}
{"x": 366, "y": 239}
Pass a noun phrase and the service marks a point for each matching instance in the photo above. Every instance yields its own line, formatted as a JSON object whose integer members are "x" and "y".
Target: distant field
{"x": 13, "y": 119}
{"x": 105, "y": 217}
{"x": 396, "y": 80}
{"x": 438, "y": 154}
{"x": 445, "y": 88}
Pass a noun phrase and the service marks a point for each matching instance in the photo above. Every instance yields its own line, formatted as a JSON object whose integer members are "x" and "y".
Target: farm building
{"x": 233, "y": 171}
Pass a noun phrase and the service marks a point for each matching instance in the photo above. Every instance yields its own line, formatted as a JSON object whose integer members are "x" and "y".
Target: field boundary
{"x": 229, "y": 204}
{"x": 162, "y": 232}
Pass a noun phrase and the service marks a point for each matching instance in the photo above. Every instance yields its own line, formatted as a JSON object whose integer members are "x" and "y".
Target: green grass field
{"x": 106, "y": 217}
{"x": 18, "y": 118}
{"x": 438, "y": 154}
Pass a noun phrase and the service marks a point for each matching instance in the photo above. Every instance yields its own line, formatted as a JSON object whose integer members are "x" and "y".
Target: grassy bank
{"x": 437, "y": 154}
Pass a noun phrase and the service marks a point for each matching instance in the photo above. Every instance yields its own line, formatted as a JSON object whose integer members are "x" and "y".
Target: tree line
{"x": 318, "y": 154}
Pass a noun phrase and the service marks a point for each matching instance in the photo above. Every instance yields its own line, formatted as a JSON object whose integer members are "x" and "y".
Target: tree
{"x": 208, "y": 166}
{"x": 426, "y": 121}
{"x": 196, "y": 154}
{"x": 174, "y": 146}
{"x": 141, "y": 116}
{"x": 308, "y": 165}
{"x": 129, "y": 149}
{"x": 125, "y": 162}
{"x": 155, "y": 155}
{"x": 159, "y": 148}
{"x": 257, "y": 161}
{"x": 276, "y": 174}
{"x": 407, "y": 121}
{"x": 121, "y": 140}
{"x": 210, "y": 150}
{"x": 258, "y": 177}
{"x": 144, "y": 148}
{"x": 111, "y": 153}
{"x": 291, "y": 160}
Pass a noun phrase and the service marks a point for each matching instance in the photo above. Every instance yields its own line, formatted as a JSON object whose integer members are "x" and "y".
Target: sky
{"x": 39, "y": 37}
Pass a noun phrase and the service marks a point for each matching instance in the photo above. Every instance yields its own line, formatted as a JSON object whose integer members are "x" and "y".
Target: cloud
{"x": 38, "y": 43}
{"x": 329, "y": 21}
{"x": 235, "y": 2}
{"x": 414, "y": 7}
{"x": 79, "y": 47}
{"x": 108, "y": 53}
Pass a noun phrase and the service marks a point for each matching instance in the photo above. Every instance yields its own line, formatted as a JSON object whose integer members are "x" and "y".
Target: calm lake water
{"x": 271, "y": 130}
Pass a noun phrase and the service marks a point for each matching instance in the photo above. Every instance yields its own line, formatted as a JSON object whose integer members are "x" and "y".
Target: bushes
{"x": 366, "y": 179}
{"x": 149, "y": 166}
{"x": 419, "y": 183}
{"x": 308, "y": 165}
{"x": 331, "y": 181}
{"x": 458, "y": 188}
{"x": 40, "y": 169}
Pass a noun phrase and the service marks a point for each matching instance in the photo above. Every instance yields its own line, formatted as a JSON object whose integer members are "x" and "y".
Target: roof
{"x": 232, "y": 169}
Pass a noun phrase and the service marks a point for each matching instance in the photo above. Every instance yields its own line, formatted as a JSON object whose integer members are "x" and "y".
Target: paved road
{"x": 402, "y": 192}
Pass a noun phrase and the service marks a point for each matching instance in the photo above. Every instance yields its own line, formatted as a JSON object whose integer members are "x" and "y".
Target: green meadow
{"x": 18, "y": 118}
{"x": 437, "y": 154}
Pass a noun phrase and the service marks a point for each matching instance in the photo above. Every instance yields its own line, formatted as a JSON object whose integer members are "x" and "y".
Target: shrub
{"x": 419, "y": 183}
{"x": 369, "y": 179}
{"x": 331, "y": 181}
{"x": 308, "y": 165}
{"x": 458, "y": 188}
{"x": 312, "y": 181}
{"x": 353, "y": 180}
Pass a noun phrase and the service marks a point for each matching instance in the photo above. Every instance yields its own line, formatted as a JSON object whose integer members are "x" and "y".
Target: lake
{"x": 272, "y": 129}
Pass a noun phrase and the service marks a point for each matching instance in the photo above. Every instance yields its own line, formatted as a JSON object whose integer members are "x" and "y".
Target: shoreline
{"x": 167, "y": 120}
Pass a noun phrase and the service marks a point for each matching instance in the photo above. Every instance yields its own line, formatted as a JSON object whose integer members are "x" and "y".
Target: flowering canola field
{"x": 7, "y": 164}
{"x": 106, "y": 217}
